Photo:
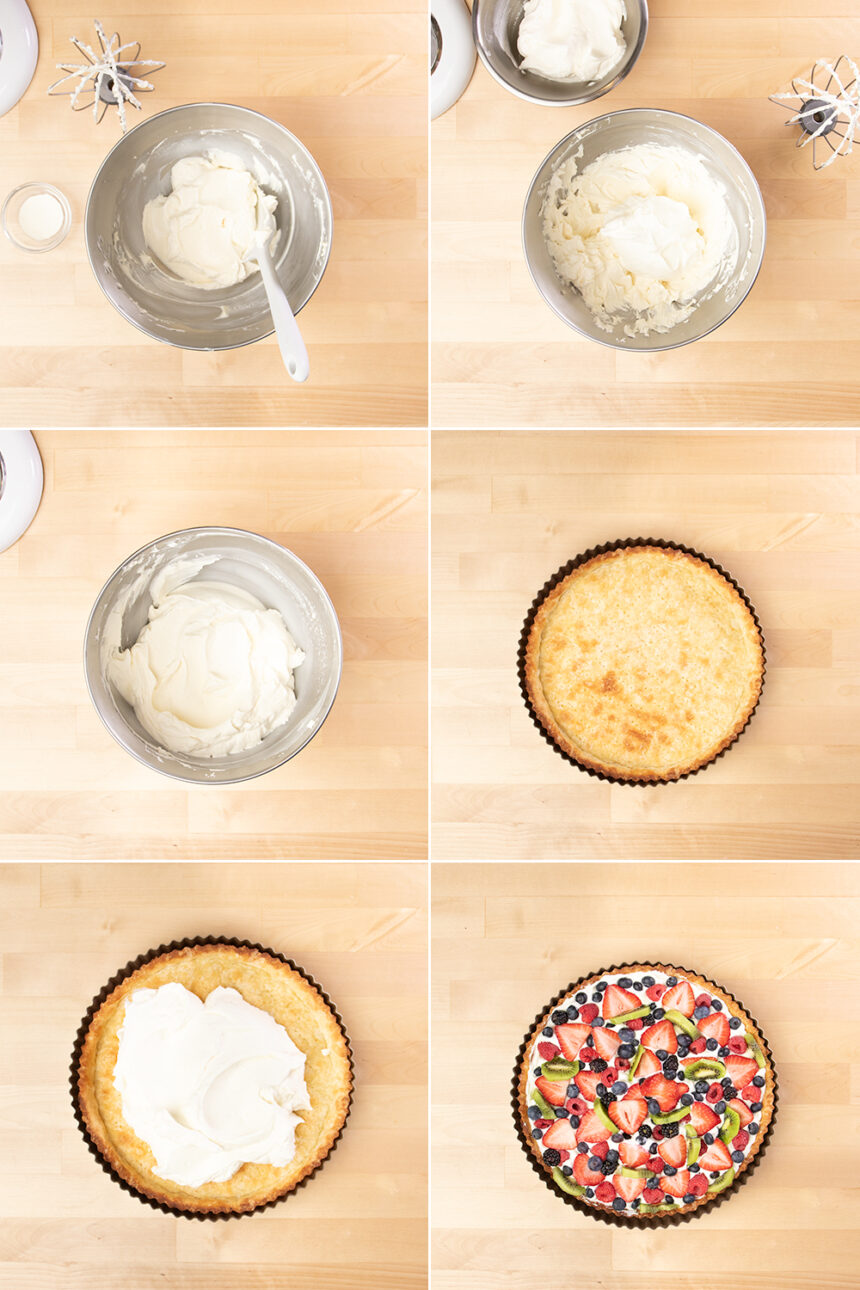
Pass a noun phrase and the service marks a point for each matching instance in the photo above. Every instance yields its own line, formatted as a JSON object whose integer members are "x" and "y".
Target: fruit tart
{"x": 212, "y": 1078}
{"x": 644, "y": 1092}
{"x": 642, "y": 663}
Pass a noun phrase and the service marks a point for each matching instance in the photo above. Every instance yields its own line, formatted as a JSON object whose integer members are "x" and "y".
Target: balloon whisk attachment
{"x": 826, "y": 108}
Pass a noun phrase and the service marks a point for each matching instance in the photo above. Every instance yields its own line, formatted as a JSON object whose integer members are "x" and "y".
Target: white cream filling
{"x": 204, "y": 229}
{"x": 641, "y": 233}
{"x": 211, "y": 673}
{"x": 576, "y": 40}
{"x": 208, "y": 1086}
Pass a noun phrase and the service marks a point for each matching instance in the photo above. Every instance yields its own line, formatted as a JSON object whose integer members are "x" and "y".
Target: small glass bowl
{"x": 9, "y": 217}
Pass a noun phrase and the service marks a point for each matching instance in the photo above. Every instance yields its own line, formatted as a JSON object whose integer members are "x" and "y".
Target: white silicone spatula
{"x": 290, "y": 342}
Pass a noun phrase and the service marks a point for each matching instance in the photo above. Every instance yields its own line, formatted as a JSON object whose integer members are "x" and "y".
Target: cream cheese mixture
{"x": 641, "y": 233}
{"x": 211, "y": 673}
{"x": 209, "y": 1086}
{"x": 205, "y": 227}
{"x": 575, "y": 40}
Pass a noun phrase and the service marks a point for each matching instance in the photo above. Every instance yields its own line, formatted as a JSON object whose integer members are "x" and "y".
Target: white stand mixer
{"x": 19, "y": 52}
{"x": 21, "y": 483}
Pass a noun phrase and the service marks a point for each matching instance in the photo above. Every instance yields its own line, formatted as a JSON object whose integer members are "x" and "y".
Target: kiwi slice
{"x": 635, "y": 1173}
{"x": 629, "y": 1016}
{"x": 705, "y": 1066}
{"x": 560, "y": 1069}
{"x": 637, "y": 1057}
{"x": 731, "y": 1124}
{"x": 722, "y": 1183}
{"x": 670, "y": 1117}
{"x": 682, "y": 1023}
{"x": 543, "y": 1105}
{"x": 567, "y": 1184}
{"x": 756, "y": 1051}
{"x": 693, "y": 1148}
{"x": 690, "y": 1131}
{"x": 602, "y": 1116}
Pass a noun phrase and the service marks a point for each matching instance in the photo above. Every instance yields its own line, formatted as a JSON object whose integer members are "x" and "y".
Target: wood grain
{"x": 787, "y": 948}
{"x": 789, "y": 356}
{"x": 351, "y": 84}
{"x": 352, "y": 504}
{"x": 778, "y": 510}
{"x": 360, "y": 930}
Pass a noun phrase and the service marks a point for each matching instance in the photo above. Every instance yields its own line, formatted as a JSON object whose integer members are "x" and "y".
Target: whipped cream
{"x": 208, "y": 1086}
{"x": 211, "y": 673}
{"x": 204, "y": 229}
{"x": 575, "y": 40}
{"x": 642, "y": 233}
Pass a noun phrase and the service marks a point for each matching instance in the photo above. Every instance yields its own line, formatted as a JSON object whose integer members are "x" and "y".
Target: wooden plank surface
{"x": 350, "y": 82}
{"x": 778, "y": 510}
{"x": 352, "y": 505}
{"x": 360, "y": 930}
{"x": 789, "y": 356}
{"x": 782, "y": 938}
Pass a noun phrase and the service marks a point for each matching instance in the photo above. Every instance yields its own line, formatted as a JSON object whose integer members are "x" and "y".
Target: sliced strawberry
{"x": 676, "y": 1184}
{"x": 661, "y": 1035}
{"x": 738, "y": 1046}
{"x": 672, "y": 1150}
{"x": 745, "y": 1115}
{"x": 632, "y": 1154}
{"x": 655, "y": 992}
{"x": 588, "y": 1012}
{"x": 666, "y": 1092}
{"x": 740, "y": 1070}
{"x": 628, "y": 1115}
{"x": 584, "y": 1176}
{"x": 716, "y": 1157}
{"x": 652, "y": 1196}
{"x": 571, "y": 1036}
{"x": 715, "y": 1026}
{"x": 680, "y": 997}
{"x": 703, "y": 1118}
{"x": 605, "y": 1192}
{"x": 617, "y": 1001}
{"x": 629, "y": 1188}
{"x": 553, "y": 1090}
{"x": 649, "y": 1064}
{"x": 592, "y": 1129}
{"x": 698, "y": 1185}
{"x": 601, "y": 1150}
{"x": 634, "y": 1094}
{"x": 607, "y": 1043}
{"x": 548, "y": 1051}
{"x": 560, "y": 1135}
{"x": 586, "y": 1082}
{"x": 699, "y": 1045}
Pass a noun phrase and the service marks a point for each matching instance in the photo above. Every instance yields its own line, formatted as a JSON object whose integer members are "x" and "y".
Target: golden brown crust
{"x": 595, "y": 697}
{"x": 733, "y": 1008}
{"x": 267, "y": 983}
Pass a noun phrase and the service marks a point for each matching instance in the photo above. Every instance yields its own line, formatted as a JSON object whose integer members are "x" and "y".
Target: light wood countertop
{"x": 778, "y": 510}
{"x": 360, "y": 1223}
{"x": 350, "y": 82}
{"x": 352, "y": 505}
{"x": 789, "y": 356}
{"x": 781, "y": 938}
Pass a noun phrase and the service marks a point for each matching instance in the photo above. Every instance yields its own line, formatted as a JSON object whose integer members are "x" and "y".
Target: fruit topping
{"x": 702, "y": 1118}
{"x": 740, "y": 1069}
{"x": 617, "y": 1001}
{"x": 559, "y": 1069}
{"x": 660, "y": 1037}
{"x": 552, "y": 1090}
{"x": 629, "y": 1185}
{"x": 715, "y": 1158}
{"x": 592, "y": 1129}
{"x": 655, "y": 992}
{"x": 589, "y": 1012}
{"x": 584, "y": 1174}
{"x": 548, "y": 1051}
{"x": 715, "y": 1026}
{"x": 674, "y": 1151}
{"x": 745, "y": 1115}
{"x": 560, "y": 1135}
{"x": 607, "y": 1043}
{"x": 605, "y": 1192}
{"x": 681, "y": 998}
{"x": 543, "y": 1105}
{"x": 571, "y": 1037}
{"x": 628, "y": 1114}
{"x": 652, "y": 1195}
{"x": 663, "y": 1091}
{"x": 731, "y": 1124}
{"x": 676, "y": 1184}
{"x": 632, "y": 1154}
{"x": 587, "y": 1082}
{"x": 572, "y": 1189}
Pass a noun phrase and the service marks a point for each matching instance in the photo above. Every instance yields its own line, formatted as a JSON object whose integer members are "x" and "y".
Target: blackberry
{"x": 552, "y": 1157}
{"x": 644, "y": 1130}
{"x": 607, "y": 1168}
{"x": 599, "y": 1065}
{"x": 671, "y": 1062}
{"x": 730, "y": 1091}
{"x": 558, "y": 1018}
{"x": 671, "y": 1129}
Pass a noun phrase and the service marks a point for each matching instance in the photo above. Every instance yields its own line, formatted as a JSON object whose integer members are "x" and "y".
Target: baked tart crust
{"x": 267, "y": 983}
{"x": 643, "y": 663}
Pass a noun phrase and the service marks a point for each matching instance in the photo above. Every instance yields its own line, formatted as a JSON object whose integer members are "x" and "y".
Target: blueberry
{"x": 537, "y": 1071}
{"x": 653, "y": 1106}
{"x": 689, "y": 1198}
{"x": 572, "y": 1013}
{"x": 552, "y": 1157}
{"x": 662, "y": 1054}
{"x": 723, "y": 1052}
{"x": 572, "y": 1090}
{"x": 601, "y": 986}
{"x": 613, "y": 1156}
{"x": 653, "y": 1147}
{"x": 626, "y": 1036}
{"x": 574, "y": 1120}
{"x": 686, "y": 1099}
{"x": 684, "y": 1041}
{"x": 582, "y": 1149}
{"x": 558, "y": 1018}
{"x": 753, "y": 1128}
{"x": 758, "y": 1080}
{"x": 671, "y": 980}
{"x": 625, "y": 982}
{"x": 726, "y": 1082}
{"x": 700, "y": 1012}
{"x": 599, "y": 1065}
{"x": 737, "y": 1156}
{"x": 634, "y": 1204}
{"x": 536, "y": 1133}
{"x": 548, "y": 1030}
{"x": 648, "y": 981}
{"x": 668, "y": 1200}
{"x": 595, "y": 998}
{"x": 716, "y": 1004}
{"x": 694, "y": 1169}
{"x": 711, "y": 1045}
{"x": 580, "y": 997}
{"x": 637, "y": 985}
{"x": 618, "y": 1204}
{"x": 619, "y": 1087}
{"x": 734, "y": 1023}
{"x": 720, "y": 1107}
{"x": 534, "y": 1113}
{"x": 716, "y": 1176}
{"x": 626, "y": 1051}
{"x": 702, "y": 1086}
{"x": 598, "y": 1021}
{"x": 601, "y": 1091}
{"x": 756, "y": 1106}
{"x": 589, "y": 1192}
{"x": 562, "y": 1111}
{"x": 566, "y": 1169}
{"x": 659, "y": 1014}
{"x": 594, "y": 1162}
{"x": 618, "y": 1137}
{"x": 708, "y": 1139}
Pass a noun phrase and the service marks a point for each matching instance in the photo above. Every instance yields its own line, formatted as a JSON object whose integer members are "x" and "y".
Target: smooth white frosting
{"x": 211, "y": 673}
{"x": 205, "y": 227}
{"x": 208, "y": 1086}
{"x": 641, "y": 233}
{"x": 576, "y": 40}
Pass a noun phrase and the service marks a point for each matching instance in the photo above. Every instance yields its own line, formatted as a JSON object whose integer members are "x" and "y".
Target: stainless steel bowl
{"x": 138, "y": 168}
{"x": 281, "y": 581}
{"x": 496, "y": 23}
{"x": 723, "y": 161}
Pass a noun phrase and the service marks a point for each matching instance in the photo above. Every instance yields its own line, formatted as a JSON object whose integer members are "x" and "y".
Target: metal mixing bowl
{"x": 138, "y": 168}
{"x": 276, "y": 577}
{"x": 496, "y": 24}
{"x": 723, "y": 161}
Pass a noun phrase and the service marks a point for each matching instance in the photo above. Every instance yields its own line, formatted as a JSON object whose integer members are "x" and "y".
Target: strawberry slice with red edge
{"x": 649, "y": 1064}
{"x": 703, "y": 1118}
{"x": 571, "y": 1036}
{"x": 584, "y": 1176}
{"x": 617, "y": 1001}
{"x": 586, "y": 1082}
{"x": 676, "y": 1184}
{"x": 740, "y": 1070}
{"x": 660, "y": 1035}
{"x": 745, "y": 1115}
{"x": 665, "y": 1092}
{"x": 716, "y": 1158}
{"x": 553, "y": 1090}
{"x": 560, "y": 1135}
{"x": 632, "y": 1154}
{"x": 592, "y": 1129}
{"x": 680, "y": 997}
{"x": 629, "y": 1188}
{"x": 715, "y": 1026}
{"x": 607, "y": 1043}
{"x": 672, "y": 1150}
{"x": 628, "y": 1114}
